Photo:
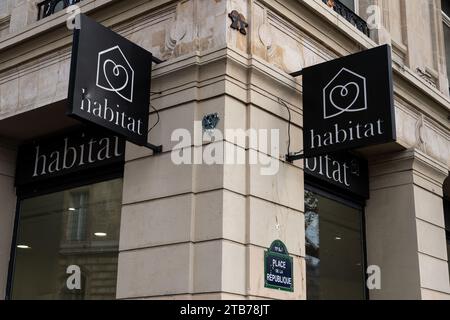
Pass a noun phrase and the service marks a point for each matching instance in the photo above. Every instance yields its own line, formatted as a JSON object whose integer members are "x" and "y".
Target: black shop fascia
{"x": 77, "y": 156}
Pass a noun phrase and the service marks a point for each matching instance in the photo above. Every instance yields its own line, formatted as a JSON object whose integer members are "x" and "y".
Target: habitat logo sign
{"x": 110, "y": 81}
{"x": 348, "y": 103}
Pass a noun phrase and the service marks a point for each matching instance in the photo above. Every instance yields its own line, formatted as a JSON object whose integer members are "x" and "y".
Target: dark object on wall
{"x": 210, "y": 121}
{"x": 238, "y": 22}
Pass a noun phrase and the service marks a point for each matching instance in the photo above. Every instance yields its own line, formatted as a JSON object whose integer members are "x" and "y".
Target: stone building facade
{"x": 200, "y": 231}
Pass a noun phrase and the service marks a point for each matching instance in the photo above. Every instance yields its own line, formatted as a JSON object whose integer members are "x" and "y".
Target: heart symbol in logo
{"x": 344, "y": 93}
{"x": 117, "y": 70}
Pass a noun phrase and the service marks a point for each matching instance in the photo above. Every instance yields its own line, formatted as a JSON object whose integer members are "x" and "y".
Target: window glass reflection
{"x": 447, "y": 225}
{"x": 68, "y": 244}
{"x": 334, "y": 250}
{"x": 349, "y": 4}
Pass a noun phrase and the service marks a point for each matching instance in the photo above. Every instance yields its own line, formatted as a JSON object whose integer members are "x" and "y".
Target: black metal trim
{"x": 330, "y": 192}
{"x": 157, "y": 61}
{"x": 293, "y": 157}
{"x": 155, "y": 149}
{"x": 296, "y": 73}
{"x": 70, "y": 181}
{"x": 365, "y": 255}
{"x": 12, "y": 254}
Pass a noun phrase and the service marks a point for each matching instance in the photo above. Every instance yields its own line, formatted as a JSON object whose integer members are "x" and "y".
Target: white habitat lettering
{"x": 72, "y": 156}
{"x": 332, "y": 169}
{"x": 115, "y": 117}
{"x": 352, "y": 132}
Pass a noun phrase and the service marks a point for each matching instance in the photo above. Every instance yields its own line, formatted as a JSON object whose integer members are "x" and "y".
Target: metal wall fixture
{"x": 210, "y": 121}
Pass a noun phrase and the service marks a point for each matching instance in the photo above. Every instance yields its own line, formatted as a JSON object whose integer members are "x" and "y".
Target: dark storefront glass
{"x": 447, "y": 216}
{"x": 446, "y": 7}
{"x": 334, "y": 249}
{"x": 446, "y": 189}
{"x": 76, "y": 229}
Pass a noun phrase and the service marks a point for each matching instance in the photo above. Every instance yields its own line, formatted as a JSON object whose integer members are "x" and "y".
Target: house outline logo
{"x": 123, "y": 69}
{"x": 356, "y": 103}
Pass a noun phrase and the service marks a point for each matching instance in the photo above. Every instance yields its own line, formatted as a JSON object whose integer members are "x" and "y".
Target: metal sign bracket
{"x": 155, "y": 149}
{"x": 291, "y": 157}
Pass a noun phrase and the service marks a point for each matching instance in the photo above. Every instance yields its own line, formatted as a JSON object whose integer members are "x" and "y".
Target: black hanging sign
{"x": 342, "y": 170}
{"x": 348, "y": 103}
{"x": 110, "y": 81}
{"x": 278, "y": 267}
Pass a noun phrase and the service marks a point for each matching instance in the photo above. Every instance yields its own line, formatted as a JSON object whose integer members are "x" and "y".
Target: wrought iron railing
{"x": 349, "y": 15}
{"x": 48, "y": 7}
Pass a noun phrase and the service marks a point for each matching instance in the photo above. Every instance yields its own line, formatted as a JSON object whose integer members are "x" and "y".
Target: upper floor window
{"x": 48, "y": 7}
{"x": 348, "y": 9}
{"x": 351, "y": 4}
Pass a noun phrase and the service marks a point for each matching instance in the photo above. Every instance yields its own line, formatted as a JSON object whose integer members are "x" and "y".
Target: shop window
{"x": 67, "y": 244}
{"x": 334, "y": 248}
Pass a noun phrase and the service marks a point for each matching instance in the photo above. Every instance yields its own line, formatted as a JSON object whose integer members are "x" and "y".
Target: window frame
{"x": 356, "y": 5}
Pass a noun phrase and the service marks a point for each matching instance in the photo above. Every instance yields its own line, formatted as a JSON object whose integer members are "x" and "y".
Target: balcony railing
{"x": 349, "y": 15}
{"x": 48, "y": 7}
